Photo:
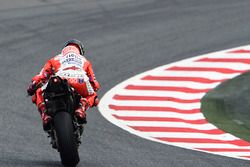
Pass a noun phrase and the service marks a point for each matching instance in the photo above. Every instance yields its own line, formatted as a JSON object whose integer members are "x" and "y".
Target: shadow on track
{"x": 29, "y": 163}
{"x": 13, "y": 161}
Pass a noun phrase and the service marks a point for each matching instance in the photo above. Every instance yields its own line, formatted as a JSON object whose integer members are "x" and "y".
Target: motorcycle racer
{"x": 70, "y": 64}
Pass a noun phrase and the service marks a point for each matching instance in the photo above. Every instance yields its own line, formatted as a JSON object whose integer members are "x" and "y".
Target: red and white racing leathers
{"x": 75, "y": 68}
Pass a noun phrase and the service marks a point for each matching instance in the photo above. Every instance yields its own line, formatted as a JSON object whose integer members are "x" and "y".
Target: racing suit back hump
{"x": 73, "y": 67}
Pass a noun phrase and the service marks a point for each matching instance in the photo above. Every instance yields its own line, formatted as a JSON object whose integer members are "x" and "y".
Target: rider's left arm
{"x": 91, "y": 75}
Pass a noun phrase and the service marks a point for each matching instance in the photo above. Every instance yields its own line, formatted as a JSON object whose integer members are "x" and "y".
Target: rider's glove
{"x": 96, "y": 101}
{"x": 31, "y": 88}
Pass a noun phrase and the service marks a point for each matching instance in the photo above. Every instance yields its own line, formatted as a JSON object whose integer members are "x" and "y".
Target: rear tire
{"x": 66, "y": 141}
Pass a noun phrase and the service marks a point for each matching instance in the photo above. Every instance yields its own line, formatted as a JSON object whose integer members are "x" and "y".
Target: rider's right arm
{"x": 44, "y": 74}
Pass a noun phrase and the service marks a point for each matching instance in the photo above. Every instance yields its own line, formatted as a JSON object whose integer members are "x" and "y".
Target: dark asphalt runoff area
{"x": 123, "y": 38}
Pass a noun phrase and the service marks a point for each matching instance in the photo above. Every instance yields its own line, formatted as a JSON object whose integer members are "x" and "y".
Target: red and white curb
{"x": 163, "y": 104}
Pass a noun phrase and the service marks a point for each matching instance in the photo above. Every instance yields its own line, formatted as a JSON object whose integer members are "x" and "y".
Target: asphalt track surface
{"x": 123, "y": 38}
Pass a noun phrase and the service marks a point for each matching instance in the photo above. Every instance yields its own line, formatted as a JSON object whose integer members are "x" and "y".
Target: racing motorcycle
{"x": 64, "y": 129}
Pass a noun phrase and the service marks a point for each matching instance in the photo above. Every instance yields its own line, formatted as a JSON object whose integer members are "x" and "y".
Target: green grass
{"x": 228, "y": 106}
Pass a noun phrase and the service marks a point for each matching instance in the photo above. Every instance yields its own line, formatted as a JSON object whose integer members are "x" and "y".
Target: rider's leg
{"x": 89, "y": 98}
{"x": 41, "y": 106}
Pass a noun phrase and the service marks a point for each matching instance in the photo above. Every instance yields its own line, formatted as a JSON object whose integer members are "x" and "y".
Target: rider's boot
{"x": 45, "y": 118}
{"x": 81, "y": 111}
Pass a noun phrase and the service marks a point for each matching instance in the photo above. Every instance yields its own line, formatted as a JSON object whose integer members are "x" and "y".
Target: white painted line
{"x": 183, "y": 106}
{"x": 188, "y": 84}
{"x": 196, "y": 116}
{"x": 208, "y": 75}
{"x": 169, "y": 124}
{"x": 163, "y": 93}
